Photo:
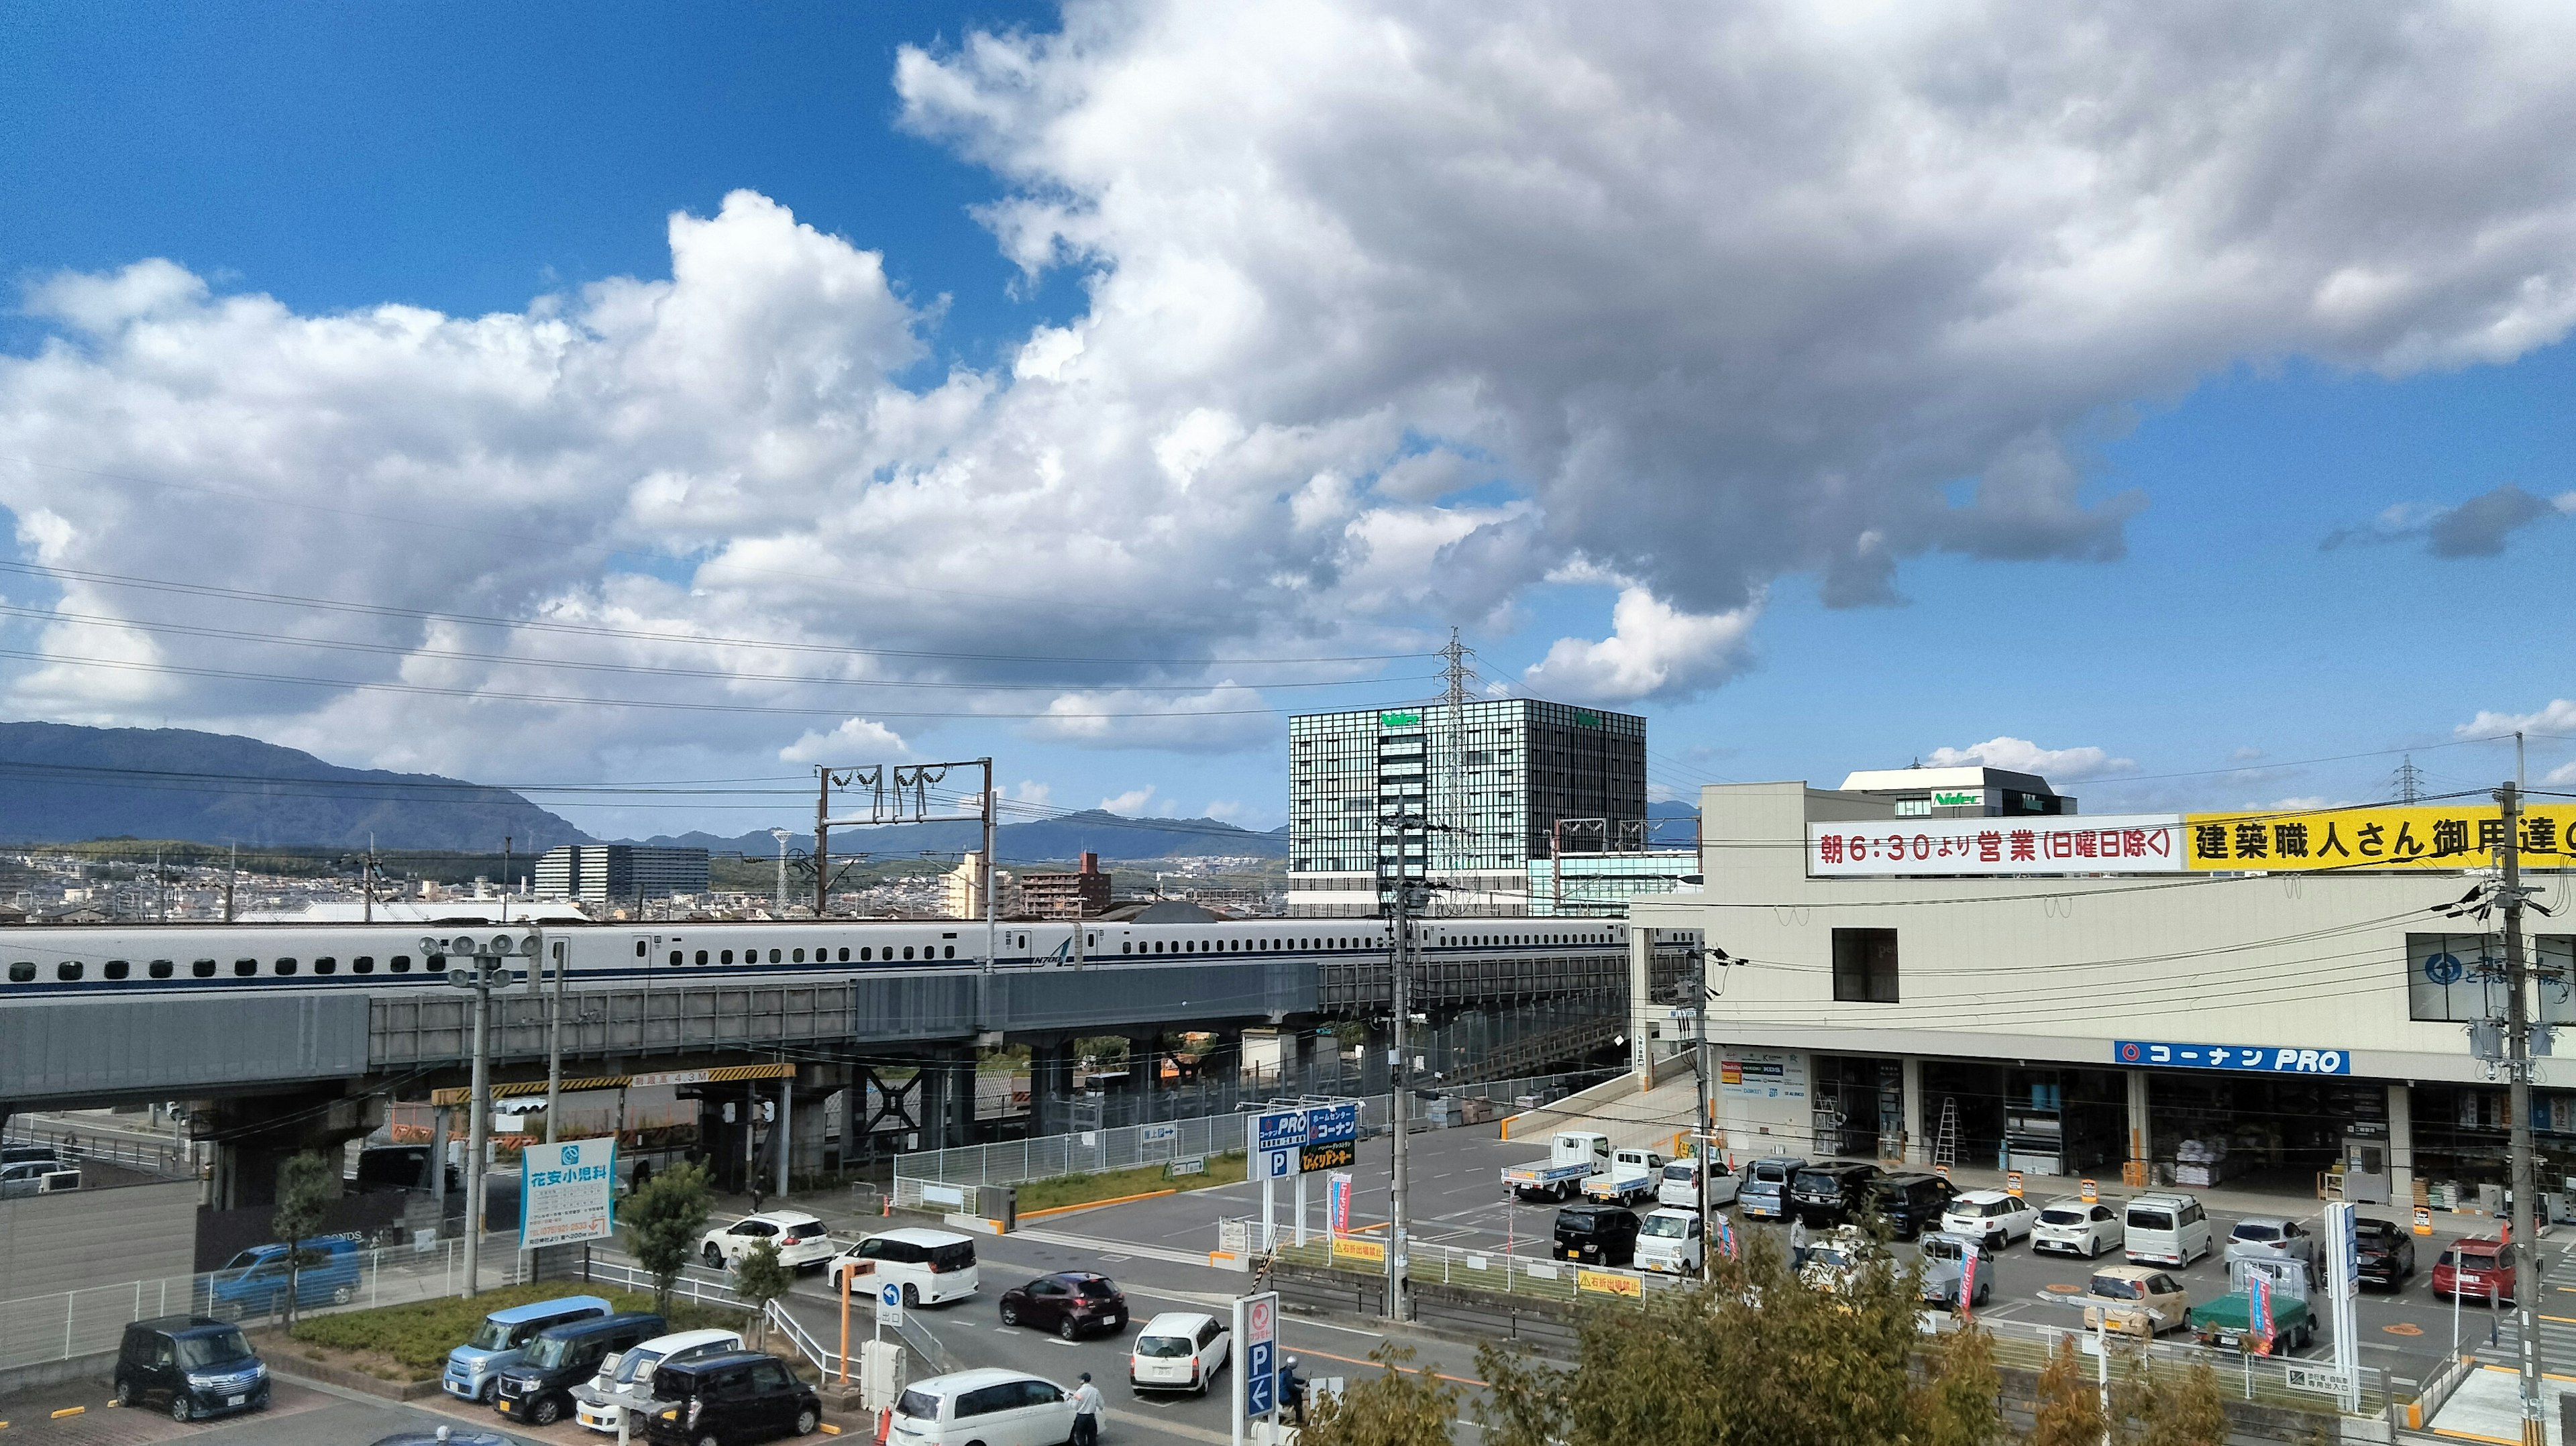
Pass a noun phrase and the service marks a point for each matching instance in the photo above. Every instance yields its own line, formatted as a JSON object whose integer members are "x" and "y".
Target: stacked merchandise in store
{"x": 2201, "y": 1162}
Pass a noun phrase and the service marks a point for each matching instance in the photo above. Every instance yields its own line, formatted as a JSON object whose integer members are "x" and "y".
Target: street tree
{"x": 1396, "y": 1407}
{"x": 663, "y": 1222}
{"x": 306, "y": 1186}
{"x": 759, "y": 1278}
{"x": 1960, "y": 1402}
{"x": 2169, "y": 1407}
{"x": 2069, "y": 1409}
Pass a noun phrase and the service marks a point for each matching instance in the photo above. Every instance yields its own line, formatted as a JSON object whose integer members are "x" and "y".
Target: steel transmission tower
{"x": 1457, "y": 674}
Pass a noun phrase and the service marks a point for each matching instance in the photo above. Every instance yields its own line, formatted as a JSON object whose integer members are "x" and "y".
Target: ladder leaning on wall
{"x": 1945, "y": 1142}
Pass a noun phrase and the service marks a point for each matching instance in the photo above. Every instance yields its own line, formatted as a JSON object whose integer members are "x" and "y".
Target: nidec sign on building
{"x": 2341, "y": 839}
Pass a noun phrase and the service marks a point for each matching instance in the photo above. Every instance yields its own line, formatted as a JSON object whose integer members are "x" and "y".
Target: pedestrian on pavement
{"x": 1798, "y": 1239}
{"x": 1086, "y": 1413}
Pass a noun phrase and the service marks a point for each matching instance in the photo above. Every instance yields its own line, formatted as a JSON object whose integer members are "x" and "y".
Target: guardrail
{"x": 176, "y": 1160}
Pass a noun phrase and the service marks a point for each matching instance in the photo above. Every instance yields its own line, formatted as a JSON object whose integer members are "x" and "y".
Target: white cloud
{"x": 1390, "y": 313}
{"x": 1654, "y": 650}
{"x": 1227, "y": 810}
{"x": 857, "y": 741}
{"x": 1032, "y": 793}
{"x": 2558, "y": 716}
{"x": 2059, "y": 765}
{"x": 1132, "y": 803}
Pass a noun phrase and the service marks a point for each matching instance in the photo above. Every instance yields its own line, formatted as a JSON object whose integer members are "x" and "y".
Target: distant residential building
{"x": 1082, "y": 894}
{"x": 961, "y": 890}
{"x": 619, "y": 873}
{"x": 1495, "y": 779}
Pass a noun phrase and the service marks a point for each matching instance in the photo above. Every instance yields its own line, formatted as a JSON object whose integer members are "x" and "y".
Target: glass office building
{"x": 1495, "y": 778}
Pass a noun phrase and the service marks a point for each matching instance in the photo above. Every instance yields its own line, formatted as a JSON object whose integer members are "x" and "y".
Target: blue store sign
{"x": 2268, "y": 1058}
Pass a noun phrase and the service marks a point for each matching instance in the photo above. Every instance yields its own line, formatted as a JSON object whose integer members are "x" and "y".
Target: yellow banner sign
{"x": 2425, "y": 836}
{"x": 1372, "y": 1251}
{"x": 1610, "y": 1282}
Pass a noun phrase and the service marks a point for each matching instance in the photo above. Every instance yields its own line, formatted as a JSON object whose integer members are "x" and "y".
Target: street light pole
{"x": 482, "y": 973}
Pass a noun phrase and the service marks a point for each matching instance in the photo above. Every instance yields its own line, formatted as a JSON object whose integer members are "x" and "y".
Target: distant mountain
{"x": 65, "y": 784}
{"x": 1096, "y": 830}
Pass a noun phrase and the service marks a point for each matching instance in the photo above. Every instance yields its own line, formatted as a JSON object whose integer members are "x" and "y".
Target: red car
{"x": 1068, "y": 1303}
{"x": 2477, "y": 1269}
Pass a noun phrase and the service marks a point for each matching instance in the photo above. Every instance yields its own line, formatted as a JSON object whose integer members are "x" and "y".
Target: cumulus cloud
{"x": 1390, "y": 314}
{"x": 2023, "y": 756}
{"x": 2557, "y": 716}
{"x": 1132, "y": 803}
{"x": 2479, "y": 527}
{"x": 856, "y": 741}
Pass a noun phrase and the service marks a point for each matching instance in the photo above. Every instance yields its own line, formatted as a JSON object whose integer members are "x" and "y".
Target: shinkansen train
{"x": 117, "y": 960}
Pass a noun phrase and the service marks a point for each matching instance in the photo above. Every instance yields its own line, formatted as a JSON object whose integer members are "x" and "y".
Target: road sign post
{"x": 1256, "y": 1384}
{"x": 889, "y": 1307}
{"x": 2343, "y": 1280}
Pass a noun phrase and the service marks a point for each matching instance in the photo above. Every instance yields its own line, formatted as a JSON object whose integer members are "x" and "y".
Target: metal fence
{"x": 173, "y": 1159}
{"x": 1092, "y": 1152}
{"x": 36, "y": 1330}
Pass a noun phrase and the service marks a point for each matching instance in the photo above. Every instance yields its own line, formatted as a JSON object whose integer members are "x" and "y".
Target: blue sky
{"x": 471, "y": 160}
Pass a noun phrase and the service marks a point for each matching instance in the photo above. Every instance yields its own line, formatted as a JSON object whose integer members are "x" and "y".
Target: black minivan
{"x": 726, "y": 1400}
{"x": 538, "y": 1390}
{"x": 1913, "y": 1202}
{"x": 200, "y": 1366}
{"x": 1596, "y": 1234}
{"x": 1830, "y": 1192}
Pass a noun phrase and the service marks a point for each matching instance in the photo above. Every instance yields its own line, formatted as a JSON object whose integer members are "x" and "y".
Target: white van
{"x": 1668, "y": 1242}
{"x": 931, "y": 1265}
{"x": 989, "y": 1404}
{"x": 625, "y": 1382}
{"x": 2166, "y": 1229}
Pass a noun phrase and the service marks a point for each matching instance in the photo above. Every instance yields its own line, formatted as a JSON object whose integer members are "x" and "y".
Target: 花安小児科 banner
{"x": 2464, "y": 835}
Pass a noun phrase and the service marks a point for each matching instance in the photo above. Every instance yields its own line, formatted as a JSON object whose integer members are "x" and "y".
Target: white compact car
{"x": 2072, "y": 1227}
{"x": 992, "y": 1405}
{"x": 1178, "y": 1351}
{"x": 802, "y": 1242}
{"x": 1990, "y": 1216}
{"x": 931, "y": 1266}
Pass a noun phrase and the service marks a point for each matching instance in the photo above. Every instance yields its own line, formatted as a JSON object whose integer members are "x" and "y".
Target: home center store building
{"x": 2268, "y": 1001}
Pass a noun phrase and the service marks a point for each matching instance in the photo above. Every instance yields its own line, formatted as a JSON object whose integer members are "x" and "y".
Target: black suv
{"x": 1596, "y": 1234}
{"x": 201, "y": 1367}
{"x": 1831, "y": 1192}
{"x": 538, "y": 1390}
{"x": 2386, "y": 1252}
{"x": 1912, "y": 1202}
{"x": 722, "y": 1400}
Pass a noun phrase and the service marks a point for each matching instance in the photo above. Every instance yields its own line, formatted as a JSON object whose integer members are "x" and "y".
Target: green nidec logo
{"x": 1398, "y": 720}
{"x": 1957, "y": 800}
{"x": 1586, "y": 720}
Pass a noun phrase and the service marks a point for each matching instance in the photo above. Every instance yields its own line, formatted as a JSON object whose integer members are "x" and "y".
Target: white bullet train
{"x": 93, "y": 961}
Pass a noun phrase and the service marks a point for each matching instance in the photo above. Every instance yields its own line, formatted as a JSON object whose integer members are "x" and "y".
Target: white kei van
{"x": 931, "y": 1265}
{"x": 989, "y": 1404}
{"x": 2167, "y": 1229}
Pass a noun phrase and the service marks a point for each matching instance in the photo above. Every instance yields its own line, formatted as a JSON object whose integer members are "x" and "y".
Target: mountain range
{"x": 1094, "y": 830}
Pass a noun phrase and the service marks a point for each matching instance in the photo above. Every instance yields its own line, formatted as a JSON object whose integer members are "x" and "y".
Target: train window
{"x": 677, "y": 957}
{"x": 643, "y": 949}
{"x": 244, "y": 968}
{"x": 23, "y": 972}
{"x": 845, "y": 955}
{"x": 796, "y": 956}
{"x": 702, "y": 956}
{"x": 1125, "y": 948}
{"x": 285, "y": 966}
{"x": 865, "y": 955}
{"x": 203, "y": 968}
{"x": 952, "y": 951}
{"x": 399, "y": 964}
{"x": 161, "y": 968}
{"x": 326, "y": 966}
{"x": 117, "y": 969}
{"x": 1189, "y": 946}
{"x": 67, "y": 970}
{"x": 907, "y": 951}
{"x": 726, "y": 957}
{"x": 363, "y": 964}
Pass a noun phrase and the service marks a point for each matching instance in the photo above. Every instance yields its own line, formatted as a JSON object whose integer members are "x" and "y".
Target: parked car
{"x": 1178, "y": 1351}
{"x": 2165, "y": 1229}
{"x": 2136, "y": 1300}
{"x": 990, "y": 1404}
{"x": 1830, "y": 1192}
{"x": 253, "y": 1282}
{"x": 931, "y": 1265}
{"x": 1913, "y": 1201}
{"x": 1068, "y": 1303}
{"x": 1836, "y": 1261}
{"x": 2386, "y": 1252}
{"x": 1764, "y": 1194}
{"x": 494, "y": 1347}
{"x": 1596, "y": 1234}
{"x": 1680, "y": 1187}
{"x": 29, "y": 1155}
{"x": 1992, "y": 1216}
{"x": 37, "y": 1177}
{"x": 2272, "y": 1237}
{"x": 2479, "y": 1268}
{"x": 1945, "y": 1258}
{"x": 1573, "y": 1157}
{"x": 1633, "y": 1178}
{"x": 625, "y": 1381}
{"x": 538, "y": 1390}
{"x": 2069, "y": 1226}
{"x": 1668, "y": 1241}
{"x": 728, "y": 1399}
{"x": 802, "y": 1241}
{"x": 192, "y": 1365}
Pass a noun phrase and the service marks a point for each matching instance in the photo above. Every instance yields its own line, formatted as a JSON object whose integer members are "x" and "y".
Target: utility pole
{"x": 2517, "y": 1043}
{"x": 554, "y": 1027}
{"x": 992, "y": 866}
{"x": 1707, "y": 1151}
{"x": 1457, "y": 675}
{"x": 1397, "y": 1308}
{"x": 366, "y": 882}
{"x": 232, "y": 873}
{"x": 505, "y": 891}
{"x": 822, "y": 836}
{"x": 782, "y": 836}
